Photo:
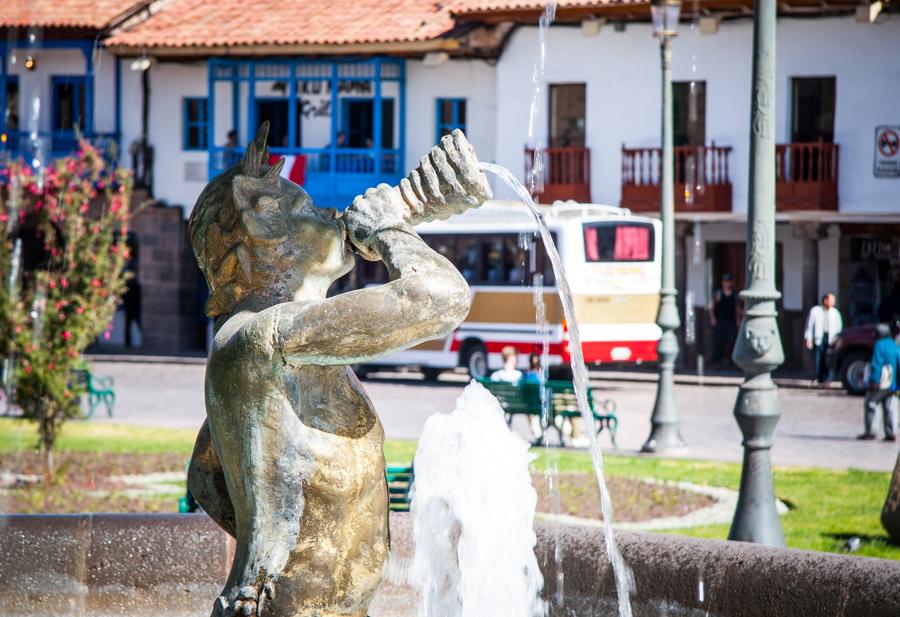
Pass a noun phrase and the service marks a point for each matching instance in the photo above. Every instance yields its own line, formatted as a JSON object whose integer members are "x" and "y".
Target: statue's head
{"x": 254, "y": 232}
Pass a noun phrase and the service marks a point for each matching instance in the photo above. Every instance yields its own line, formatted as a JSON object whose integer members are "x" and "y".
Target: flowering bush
{"x": 62, "y": 259}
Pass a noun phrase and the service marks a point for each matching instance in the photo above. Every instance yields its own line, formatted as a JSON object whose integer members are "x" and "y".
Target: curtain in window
{"x": 632, "y": 243}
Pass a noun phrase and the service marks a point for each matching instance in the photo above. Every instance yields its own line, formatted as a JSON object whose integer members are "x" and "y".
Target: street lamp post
{"x": 758, "y": 348}
{"x": 664, "y": 432}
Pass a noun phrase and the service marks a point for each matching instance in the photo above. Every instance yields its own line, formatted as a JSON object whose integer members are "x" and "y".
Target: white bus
{"x": 612, "y": 260}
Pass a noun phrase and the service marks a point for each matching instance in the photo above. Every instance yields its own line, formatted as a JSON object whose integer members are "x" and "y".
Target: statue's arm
{"x": 427, "y": 298}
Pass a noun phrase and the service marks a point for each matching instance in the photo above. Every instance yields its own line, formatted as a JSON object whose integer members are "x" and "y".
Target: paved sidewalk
{"x": 817, "y": 428}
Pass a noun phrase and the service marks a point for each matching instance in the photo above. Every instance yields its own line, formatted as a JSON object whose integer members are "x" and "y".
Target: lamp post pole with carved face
{"x": 664, "y": 431}
{"x": 758, "y": 348}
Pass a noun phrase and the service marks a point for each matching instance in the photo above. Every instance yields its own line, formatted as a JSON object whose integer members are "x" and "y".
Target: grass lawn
{"x": 827, "y": 506}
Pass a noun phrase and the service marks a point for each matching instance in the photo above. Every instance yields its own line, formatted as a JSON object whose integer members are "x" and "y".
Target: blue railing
{"x": 333, "y": 176}
{"x": 52, "y": 144}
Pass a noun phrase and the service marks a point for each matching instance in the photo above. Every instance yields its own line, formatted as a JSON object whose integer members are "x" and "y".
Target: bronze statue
{"x": 290, "y": 459}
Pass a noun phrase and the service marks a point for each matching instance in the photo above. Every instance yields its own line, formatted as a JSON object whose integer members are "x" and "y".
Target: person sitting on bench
{"x": 509, "y": 373}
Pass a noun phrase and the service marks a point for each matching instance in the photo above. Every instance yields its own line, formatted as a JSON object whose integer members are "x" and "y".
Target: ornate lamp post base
{"x": 665, "y": 434}
{"x": 757, "y": 413}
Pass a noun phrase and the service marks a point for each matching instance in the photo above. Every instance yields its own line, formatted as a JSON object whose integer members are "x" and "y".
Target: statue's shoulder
{"x": 243, "y": 338}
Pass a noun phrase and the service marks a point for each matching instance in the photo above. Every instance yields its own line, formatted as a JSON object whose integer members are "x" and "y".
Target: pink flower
{"x": 66, "y": 335}
{"x": 51, "y": 366}
{"x": 106, "y": 335}
{"x": 64, "y": 282}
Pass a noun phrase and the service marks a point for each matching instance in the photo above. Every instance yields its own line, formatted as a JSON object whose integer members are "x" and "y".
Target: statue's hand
{"x": 379, "y": 209}
{"x": 448, "y": 181}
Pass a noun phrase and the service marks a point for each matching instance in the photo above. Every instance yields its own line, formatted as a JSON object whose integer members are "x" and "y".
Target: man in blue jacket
{"x": 885, "y": 366}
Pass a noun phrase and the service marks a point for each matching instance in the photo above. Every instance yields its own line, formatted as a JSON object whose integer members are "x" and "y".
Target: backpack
{"x": 885, "y": 380}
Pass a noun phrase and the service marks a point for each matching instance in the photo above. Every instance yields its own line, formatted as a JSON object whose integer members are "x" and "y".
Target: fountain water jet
{"x": 473, "y": 509}
{"x": 624, "y": 579}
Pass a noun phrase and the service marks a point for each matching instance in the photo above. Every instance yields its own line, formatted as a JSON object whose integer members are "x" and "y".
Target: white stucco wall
{"x": 621, "y": 71}
{"x": 169, "y": 84}
{"x": 36, "y": 84}
{"x": 473, "y": 80}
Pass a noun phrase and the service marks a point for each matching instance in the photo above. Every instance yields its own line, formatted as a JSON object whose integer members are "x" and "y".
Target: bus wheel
{"x": 476, "y": 361}
{"x": 431, "y": 373}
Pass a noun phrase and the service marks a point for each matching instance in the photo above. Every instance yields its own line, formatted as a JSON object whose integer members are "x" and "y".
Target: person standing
{"x": 823, "y": 325}
{"x": 232, "y": 153}
{"x": 882, "y": 390}
{"x": 723, "y": 316}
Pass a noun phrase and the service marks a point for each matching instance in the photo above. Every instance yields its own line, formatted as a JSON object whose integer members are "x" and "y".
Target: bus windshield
{"x": 611, "y": 242}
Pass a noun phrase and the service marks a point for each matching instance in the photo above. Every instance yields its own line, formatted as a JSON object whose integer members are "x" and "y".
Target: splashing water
{"x": 623, "y": 575}
{"x": 551, "y": 473}
{"x": 536, "y": 178}
{"x": 473, "y": 515}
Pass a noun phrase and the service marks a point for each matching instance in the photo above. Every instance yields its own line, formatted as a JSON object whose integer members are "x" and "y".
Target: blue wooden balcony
{"x": 333, "y": 176}
{"x": 48, "y": 145}
{"x": 345, "y": 118}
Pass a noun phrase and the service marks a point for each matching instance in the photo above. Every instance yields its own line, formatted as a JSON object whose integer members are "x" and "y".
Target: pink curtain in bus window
{"x": 590, "y": 244}
{"x": 632, "y": 243}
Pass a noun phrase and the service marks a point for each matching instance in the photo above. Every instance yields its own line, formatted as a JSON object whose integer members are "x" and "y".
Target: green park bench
{"x": 98, "y": 390}
{"x": 525, "y": 399}
{"x": 399, "y": 480}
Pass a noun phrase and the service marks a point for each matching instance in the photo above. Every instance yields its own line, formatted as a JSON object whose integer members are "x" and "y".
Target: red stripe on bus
{"x": 601, "y": 351}
{"x": 594, "y": 351}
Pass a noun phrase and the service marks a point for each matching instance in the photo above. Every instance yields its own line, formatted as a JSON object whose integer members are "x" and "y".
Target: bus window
{"x": 492, "y": 258}
{"x": 495, "y": 259}
{"x": 468, "y": 259}
{"x": 542, "y": 260}
{"x": 604, "y": 242}
{"x": 520, "y": 261}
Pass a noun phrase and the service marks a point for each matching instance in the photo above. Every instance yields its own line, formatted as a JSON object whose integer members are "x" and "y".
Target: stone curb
{"x": 138, "y": 565}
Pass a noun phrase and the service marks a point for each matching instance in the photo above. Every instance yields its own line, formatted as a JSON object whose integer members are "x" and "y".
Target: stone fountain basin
{"x": 111, "y": 565}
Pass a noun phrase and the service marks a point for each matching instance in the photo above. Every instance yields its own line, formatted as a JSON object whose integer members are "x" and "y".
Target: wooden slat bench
{"x": 399, "y": 480}
{"x": 525, "y": 399}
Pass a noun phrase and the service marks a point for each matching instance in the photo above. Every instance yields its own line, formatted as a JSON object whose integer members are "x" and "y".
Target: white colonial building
{"x": 356, "y": 91}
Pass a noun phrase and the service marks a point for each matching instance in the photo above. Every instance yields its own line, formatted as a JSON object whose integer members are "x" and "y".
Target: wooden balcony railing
{"x": 702, "y": 182}
{"x": 567, "y": 174}
{"x": 806, "y": 176}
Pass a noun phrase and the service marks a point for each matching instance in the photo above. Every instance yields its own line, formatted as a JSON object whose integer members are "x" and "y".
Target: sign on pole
{"x": 887, "y": 151}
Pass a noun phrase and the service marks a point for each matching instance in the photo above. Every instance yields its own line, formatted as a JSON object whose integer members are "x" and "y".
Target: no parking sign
{"x": 887, "y": 152}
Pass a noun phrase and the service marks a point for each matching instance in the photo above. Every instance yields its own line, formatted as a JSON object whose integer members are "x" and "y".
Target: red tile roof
{"x": 491, "y": 6}
{"x": 93, "y": 14}
{"x": 231, "y": 23}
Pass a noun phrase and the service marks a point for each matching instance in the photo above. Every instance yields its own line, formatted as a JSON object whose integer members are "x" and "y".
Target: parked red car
{"x": 850, "y": 353}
